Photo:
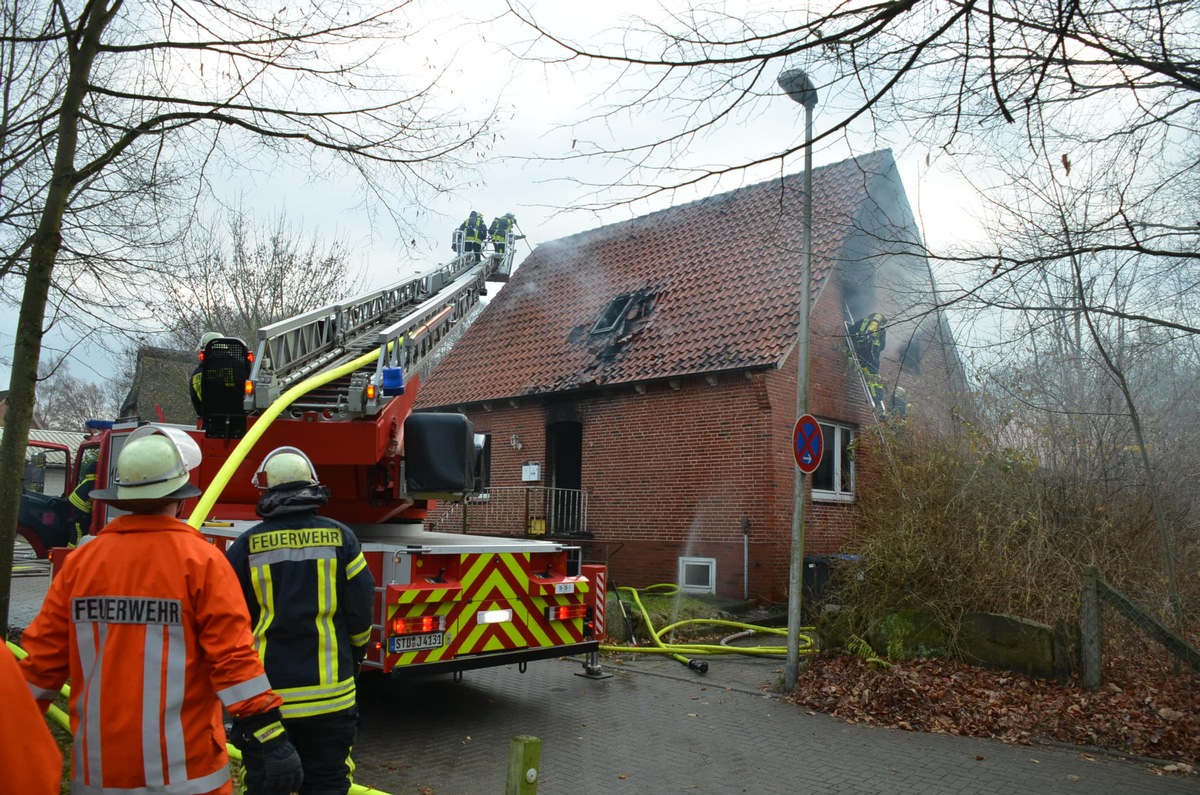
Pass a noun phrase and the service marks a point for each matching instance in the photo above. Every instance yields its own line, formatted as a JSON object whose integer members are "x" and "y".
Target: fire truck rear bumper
{"x": 494, "y": 659}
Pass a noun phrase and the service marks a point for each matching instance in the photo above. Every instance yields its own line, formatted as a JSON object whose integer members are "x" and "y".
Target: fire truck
{"x": 340, "y": 383}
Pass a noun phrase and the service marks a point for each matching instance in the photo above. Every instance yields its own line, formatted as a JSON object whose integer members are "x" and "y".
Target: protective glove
{"x": 271, "y": 762}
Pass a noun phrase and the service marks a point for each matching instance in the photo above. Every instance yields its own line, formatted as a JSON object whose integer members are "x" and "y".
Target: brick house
{"x": 636, "y": 382}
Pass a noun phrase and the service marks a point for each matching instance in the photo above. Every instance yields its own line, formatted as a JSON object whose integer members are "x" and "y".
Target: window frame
{"x": 709, "y": 563}
{"x": 834, "y": 446}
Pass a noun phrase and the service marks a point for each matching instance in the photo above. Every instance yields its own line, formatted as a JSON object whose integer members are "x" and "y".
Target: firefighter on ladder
{"x": 498, "y": 231}
{"x": 869, "y": 337}
{"x": 311, "y": 596}
{"x": 197, "y": 384}
{"x": 148, "y": 623}
{"x": 474, "y": 231}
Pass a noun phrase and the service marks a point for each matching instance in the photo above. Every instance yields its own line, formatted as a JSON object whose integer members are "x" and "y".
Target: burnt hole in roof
{"x": 613, "y": 314}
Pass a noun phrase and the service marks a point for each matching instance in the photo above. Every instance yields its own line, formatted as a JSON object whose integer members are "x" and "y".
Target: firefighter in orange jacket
{"x": 29, "y": 756}
{"x": 149, "y": 624}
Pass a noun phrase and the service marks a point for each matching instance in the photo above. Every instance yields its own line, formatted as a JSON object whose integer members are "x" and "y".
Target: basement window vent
{"x": 698, "y": 575}
{"x": 613, "y": 314}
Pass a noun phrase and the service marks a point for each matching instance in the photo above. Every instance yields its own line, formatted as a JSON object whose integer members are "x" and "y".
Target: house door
{"x": 564, "y": 462}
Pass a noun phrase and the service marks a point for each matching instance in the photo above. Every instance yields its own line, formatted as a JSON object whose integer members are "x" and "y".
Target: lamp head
{"x": 796, "y": 85}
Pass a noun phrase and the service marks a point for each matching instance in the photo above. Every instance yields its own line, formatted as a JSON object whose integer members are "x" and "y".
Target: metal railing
{"x": 518, "y": 510}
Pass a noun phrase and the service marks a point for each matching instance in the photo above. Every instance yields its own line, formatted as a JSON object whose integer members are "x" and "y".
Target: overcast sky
{"x": 541, "y": 111}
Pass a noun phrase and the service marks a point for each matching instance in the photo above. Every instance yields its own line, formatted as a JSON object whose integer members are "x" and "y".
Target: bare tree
{"x": 248, "y": 276}
{"x": 997, "y": 87}
{"x": 66, "y": 402}
{"x": 115, "y": 114}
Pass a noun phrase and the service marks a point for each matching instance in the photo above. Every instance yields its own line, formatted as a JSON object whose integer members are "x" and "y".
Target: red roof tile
{"x": 714, "y": 282}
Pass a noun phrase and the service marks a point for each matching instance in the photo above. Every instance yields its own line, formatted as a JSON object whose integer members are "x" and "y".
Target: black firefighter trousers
{"x": 324, "y": 743}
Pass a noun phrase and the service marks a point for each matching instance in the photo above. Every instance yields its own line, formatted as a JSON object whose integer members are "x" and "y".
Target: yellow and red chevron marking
{"x": 490, "y": 581}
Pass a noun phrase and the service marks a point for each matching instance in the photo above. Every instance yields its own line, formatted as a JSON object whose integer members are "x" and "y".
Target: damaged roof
{"x": 699, "y": 288}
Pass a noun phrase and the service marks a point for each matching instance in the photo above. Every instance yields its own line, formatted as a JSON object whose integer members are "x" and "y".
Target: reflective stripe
{"x": 152, "y": 663}
{"x": 90, "y": 640}
{"x": 291, "y": 553}
{"x": 176, "y": 689}
{"x": 326, "y": 632}
{"x": 315, "y": 692}
{"x": 307, "y": 709}
{"x": 195, "y": 786}
{"x": 78, "y": 500}
{"x": 264, "y": 594}
{"x": 355, "y": 566}
{"x": 245, "y": 690}
{"x": 361, "y": 638}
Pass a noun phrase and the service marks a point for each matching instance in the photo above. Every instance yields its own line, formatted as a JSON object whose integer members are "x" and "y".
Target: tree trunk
{"x": 47, "y": 242}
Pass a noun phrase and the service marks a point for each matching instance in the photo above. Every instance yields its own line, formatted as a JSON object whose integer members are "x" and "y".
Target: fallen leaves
{"x": 1142, "y": 709}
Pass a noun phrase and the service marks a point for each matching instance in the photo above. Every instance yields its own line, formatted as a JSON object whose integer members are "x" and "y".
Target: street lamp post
{"x": 801, "y": 90}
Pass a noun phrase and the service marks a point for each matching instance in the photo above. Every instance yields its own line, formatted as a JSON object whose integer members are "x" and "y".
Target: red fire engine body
{"x": 444, "y": 601}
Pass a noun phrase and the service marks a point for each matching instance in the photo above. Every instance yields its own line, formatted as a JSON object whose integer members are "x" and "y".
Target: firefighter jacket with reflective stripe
{"x": 196, "y": 390}
{"x": 499, "y": 228}
{"x": 81, "y": 500}
{"x": 149, "y": 624}
{"x": 475, "y": 229}
{"x": 29, "y": 756}
{"x": 311, "y": 598}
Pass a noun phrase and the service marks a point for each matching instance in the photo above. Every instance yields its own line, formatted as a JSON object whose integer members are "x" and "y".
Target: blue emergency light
{"x": 393, "y": 381}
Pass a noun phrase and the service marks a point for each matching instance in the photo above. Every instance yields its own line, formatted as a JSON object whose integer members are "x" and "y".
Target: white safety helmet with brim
{"x": 152, "y": 469}
{"x": 206, "y": 338}
{"x": 285, "y": 465}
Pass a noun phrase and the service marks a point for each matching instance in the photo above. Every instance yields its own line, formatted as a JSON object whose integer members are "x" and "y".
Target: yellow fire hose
{"x": 264, "y": 421}
{"x": 681, "y": 651}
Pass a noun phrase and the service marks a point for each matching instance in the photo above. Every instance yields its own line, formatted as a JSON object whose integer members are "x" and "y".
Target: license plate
{"x": 564, "y": 587}
{"x": 402, "y": 643}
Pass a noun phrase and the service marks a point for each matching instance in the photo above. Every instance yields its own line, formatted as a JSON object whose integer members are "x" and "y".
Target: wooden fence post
{"x": 524, "y": 756}
{"x": 1089, "y": 629}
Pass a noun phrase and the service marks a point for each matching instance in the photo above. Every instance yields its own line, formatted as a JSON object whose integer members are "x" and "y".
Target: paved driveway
{"x": 656, "y": 727}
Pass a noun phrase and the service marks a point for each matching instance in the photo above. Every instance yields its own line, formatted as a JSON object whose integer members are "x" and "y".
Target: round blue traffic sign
{"x": 808, "y": 444}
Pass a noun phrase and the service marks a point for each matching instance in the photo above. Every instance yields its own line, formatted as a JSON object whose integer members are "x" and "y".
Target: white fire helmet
{"x": 153, "y": 467}
{"x": 285, "y": 465}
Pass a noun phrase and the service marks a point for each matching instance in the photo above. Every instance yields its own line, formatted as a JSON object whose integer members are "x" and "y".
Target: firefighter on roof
{"x": 197, "y": 390}
{"x": 311, "y": 598}
{"x": 149, "y": 624}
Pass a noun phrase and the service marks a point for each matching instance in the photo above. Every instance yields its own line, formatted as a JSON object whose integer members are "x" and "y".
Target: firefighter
{"x": 81, "y": 501}
{"x": 197, "y": 390}
{"x": 148, "y": 623}
{"x": 29, "y": 756}
{"x": 869, "y": 336}
{"x": 499, "y": 231}
{"x": 311, "y": 597}
{"x": 474, "y": 231}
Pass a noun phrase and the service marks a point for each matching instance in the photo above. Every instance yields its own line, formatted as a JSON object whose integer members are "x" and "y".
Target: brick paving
{"x": 656, "y": 727}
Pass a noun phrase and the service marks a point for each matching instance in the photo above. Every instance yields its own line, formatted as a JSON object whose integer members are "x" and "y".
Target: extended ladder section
{"x": 407, "y": 321}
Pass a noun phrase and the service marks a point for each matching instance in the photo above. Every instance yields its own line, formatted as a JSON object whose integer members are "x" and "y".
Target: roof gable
{"x": 710, "y": 285}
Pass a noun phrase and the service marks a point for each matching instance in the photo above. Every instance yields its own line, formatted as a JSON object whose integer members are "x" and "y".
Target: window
{"x": 834, "y": 478}
{"x": 698, "y": 575}
{"x": 612, "y": 314}
{"x": 910, "y": 355}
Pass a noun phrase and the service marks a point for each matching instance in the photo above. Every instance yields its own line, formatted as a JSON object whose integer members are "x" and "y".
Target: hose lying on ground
{"x": 681, "y": 651}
